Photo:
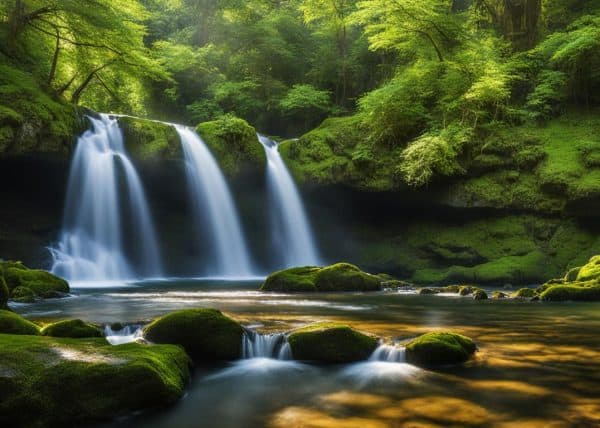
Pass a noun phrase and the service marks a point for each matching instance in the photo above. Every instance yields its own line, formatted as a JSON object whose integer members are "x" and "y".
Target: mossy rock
{"x": 560, "y": 293}
{"x": 499, "y": 295}
{"x": 428, "y": 291}
{"x": 299, "y": 279}
{"x": 234, "y": 143}
{"x": 590, "y": 271}
{"x": 4, "y": 293}
{"x": 206, "y": 334}
{"x": 440, "y": 348}
{"x": 58, "y": 382}
{"x": 571, "y": 274}
{"x": 71, "y": 328}
{"x": 337, "y": 277}
{"x": 480, "y": 295}
{"x": 22, "y": 295}
{"x": 11, "y": 323}
{"x": 526, "y": 293}
{"x": 330, "y": 343}
{"x": 451, "y": 289}
{"x": 42, "y": 283}
{"x": 465, "y": 290}
{"x": 150, "y": 140}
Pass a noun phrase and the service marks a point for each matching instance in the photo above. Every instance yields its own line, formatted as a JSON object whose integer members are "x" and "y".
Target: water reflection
{"x": 538, "y": 364}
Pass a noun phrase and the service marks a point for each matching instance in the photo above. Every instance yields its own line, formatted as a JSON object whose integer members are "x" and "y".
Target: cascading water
{"x": 293, "y": 234}
{"x": 91, "y": 243}
{"x": 209, "y": 192}
{"x": 256, "y": 345}
{"x": 389, "y": 353}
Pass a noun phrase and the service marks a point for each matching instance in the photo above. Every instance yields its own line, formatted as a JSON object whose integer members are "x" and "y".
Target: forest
{"x": 299, "y": 213}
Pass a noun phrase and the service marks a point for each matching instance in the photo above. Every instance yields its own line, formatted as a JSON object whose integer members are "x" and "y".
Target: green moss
{"x": 559, "y": 293}
{"x": 480, "y": 295}
{"x": 499, "y": 295}
{"x": 11, "y": 323}
{"x": 525, "y": 293}
{"x": 47, "y": 382}
{"x": 465, "y": 290}
{"x": 337, "y": 277}
{"x": 440, "y": 348}
{"x": 451, "y": 289}
{"x": 206, "y": 334}
{"x": 31, "y": 121}
{"x": 71, "y": 328}
{"x": 42, "y": 283}
{"x": 330, "y": 343}
{"x": 234, "y": 143}
{"x": 300, "y": 279}
{"x": 427, "y": 290}
{"x": 590, "y": 271}
{"x": 345, "y": 277}
{"x": 148, "y": 139}
{"x": 22, "y": 295}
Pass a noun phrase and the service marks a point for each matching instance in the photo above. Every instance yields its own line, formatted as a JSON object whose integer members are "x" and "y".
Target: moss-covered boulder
{"x": 589, "y": 271}
{"x": 480, "y": 295}
{"x": 42, "y": 283}
{"x": 561, "y": 293}
{"x": 526, "y": 293}
{"x": 52, "y": 382}
{"x": 11, "y": 323}
{"x": 71, "y": 328}
{"x": 234, "y": 143}
{"x": 337, "y": 277}
{"x": 150, "y": 140}
{"x": 427, "y": 290}
{"x": 499, "y": 295}
{"x": 330, "y": 343}
{"x": 578, "y": 284}
{"x": 22, "y": 295}
{"x": 440, "y": 348}
{"x": 206, "y": 334}
{"x": 466, "y": 290}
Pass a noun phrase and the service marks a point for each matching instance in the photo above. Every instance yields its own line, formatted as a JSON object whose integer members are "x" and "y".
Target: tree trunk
{"x": 15, "y": 25}
{"x": 54, "y": 60}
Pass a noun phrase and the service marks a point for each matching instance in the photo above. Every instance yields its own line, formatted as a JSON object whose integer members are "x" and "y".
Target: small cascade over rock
{"x": 292, "y": 233}
{"x": 213, "y": 208}
{"x": 127, "y": 334}
{"x": 389, "y": 353}
{"x": 91, "y": 245}
{"x": 274, "y": 345}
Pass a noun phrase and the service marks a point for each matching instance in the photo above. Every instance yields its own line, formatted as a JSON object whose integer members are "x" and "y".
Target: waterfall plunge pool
{"x": 537, "y": 365}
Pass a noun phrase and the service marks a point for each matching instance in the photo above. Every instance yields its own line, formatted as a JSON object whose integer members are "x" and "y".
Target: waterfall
{"x": 389, "y": 353}
{"x": 212, "y": 200}
{"x": 292, "y": 231}
{"x": 256, "y": 345}
{"x": 127, "y": 334}
{"x": 91, "y": 242}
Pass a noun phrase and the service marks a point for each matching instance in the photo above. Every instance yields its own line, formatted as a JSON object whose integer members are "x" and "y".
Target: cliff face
{"x": 522, "y": 209}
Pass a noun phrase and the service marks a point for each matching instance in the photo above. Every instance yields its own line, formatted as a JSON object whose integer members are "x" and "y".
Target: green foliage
{"x": 146, "y": 139}
{"x": 74, "y": 382}
{"x": 71, "y": 328}
{"x": 205, "y": 334}
{"x": 440, "y": 348}
{"x": 398, "y": 111}
{"x": 234, "y": 143}
{"x": 330, "y": 343}
{"x": 549, "y": 93}
{"x": 433, "y": 154}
